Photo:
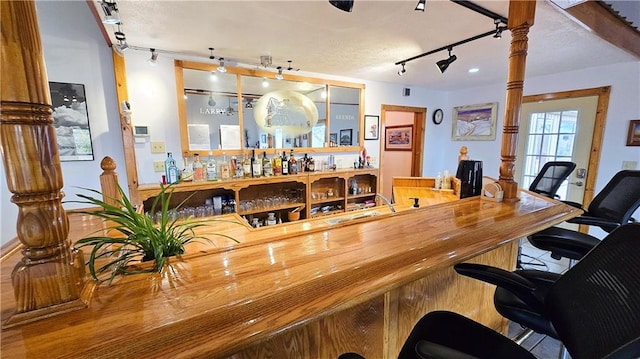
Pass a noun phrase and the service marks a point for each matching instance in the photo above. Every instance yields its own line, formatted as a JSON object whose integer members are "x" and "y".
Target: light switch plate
{"x": 158, "y": 166}
{"x": 157, "y": 147}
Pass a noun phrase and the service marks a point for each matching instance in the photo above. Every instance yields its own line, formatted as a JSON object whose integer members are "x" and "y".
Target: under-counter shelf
{"x": 327, "y": 200}
{"x": 272, "y": 208}
{"x": 362, "y": 195}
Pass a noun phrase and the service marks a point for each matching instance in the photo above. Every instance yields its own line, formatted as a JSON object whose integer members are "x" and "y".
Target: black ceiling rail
{"x": 497, "y": 19}
{"x": 480, "y": 10}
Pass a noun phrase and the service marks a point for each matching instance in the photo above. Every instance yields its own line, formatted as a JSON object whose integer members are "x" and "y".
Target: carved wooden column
{"x": 521, "y": 16}
{"x": 48, "y": 280}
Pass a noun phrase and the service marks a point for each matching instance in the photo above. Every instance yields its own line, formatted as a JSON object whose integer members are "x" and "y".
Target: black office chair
{"x": 595, "y": 308}
{"x": 550, "y": 178}
{"x": 610, "y": 208}
{"x": 547, "y": 182}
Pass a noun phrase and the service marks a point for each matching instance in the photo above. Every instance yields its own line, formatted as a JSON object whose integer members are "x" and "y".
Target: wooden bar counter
{"x": 311, "y": 289}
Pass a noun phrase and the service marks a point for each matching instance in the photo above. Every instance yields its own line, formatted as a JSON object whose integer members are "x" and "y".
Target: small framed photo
{"x": 371, "y": 124}
{"x": 345, "y": 137}
{"x": 475, "y": 122}
{"x": 633, "y": 137}
{"x": 398, "y": 138}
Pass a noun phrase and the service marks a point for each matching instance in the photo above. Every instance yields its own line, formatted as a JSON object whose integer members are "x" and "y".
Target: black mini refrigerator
{"x": 470, "y": 175}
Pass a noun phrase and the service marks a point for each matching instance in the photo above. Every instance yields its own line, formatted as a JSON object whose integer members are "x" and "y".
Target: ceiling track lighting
{"x": 401, "y": 72}
{"x": 496, "y": 33}
{"x": 421, "y": 5}
{"x": 279, "y": 75}
{"x": 444, "y": 64}
{"x": 211, "y": 57}
{"x": 153, "y": 60}
{"x": 344, "y": 5}
{"x": 111, "y": 16}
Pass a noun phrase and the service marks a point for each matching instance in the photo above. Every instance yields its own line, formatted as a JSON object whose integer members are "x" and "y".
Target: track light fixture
{"x": 153, "y": 60}
{"x": 444, "y": 64}
{"x": 344, "y": 5}
{"x": 401, "y": 72}
{"x": 499, "y": 29}
{"x": 211, "y": 57}
{"x": 421, "y": 5}
{"x": 111, "y": 16}
{"x": 221, "y": 67}
{"x": 279, "y": 74}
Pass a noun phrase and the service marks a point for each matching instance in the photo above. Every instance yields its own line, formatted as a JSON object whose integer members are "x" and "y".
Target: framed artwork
{"x": 71, "y": 121}
{"x": 333, "y": 138}
{"x": 371, "y": 124}
{"x": 633, "y": 137}
{"x": 475, "y": 122}
{"x": 398, "y": 138}
{"x": 345, "y": 137}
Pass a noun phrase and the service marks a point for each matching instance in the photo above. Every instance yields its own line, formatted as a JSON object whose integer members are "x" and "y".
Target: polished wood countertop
{"x": 216, "y": 302}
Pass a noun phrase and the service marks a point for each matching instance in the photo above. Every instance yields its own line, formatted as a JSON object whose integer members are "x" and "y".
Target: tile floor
{"x": 541, "y": 346}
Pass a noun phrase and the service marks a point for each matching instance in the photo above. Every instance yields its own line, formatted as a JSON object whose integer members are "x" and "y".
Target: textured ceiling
{"x": 366, "y": 43}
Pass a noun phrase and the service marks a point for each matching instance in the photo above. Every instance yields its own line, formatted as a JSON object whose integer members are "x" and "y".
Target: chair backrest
{"x": 618, "y": 199}
{"x": 595, "y": 306}
{"x": 551, "y": 176}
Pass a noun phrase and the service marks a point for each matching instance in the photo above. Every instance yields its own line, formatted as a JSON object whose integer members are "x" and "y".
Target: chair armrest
{"x": 573, "y": 204}
{"x": 429, "y": 350}
{"x": 523, "y": 288}
{"x": 594, "y": 221}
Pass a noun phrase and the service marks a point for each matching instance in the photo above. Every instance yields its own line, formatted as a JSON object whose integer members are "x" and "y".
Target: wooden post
{"x": 109, "y": 181}
{"x": 521, "y": 16}
{"x": 49, "y": 278}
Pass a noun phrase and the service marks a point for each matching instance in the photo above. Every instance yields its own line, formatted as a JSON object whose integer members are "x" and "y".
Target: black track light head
{"x": 444, "y": 64}
{"x": 421, "y": 5}
{"x": 344, "y": 5}
{"x": 402, "y": 71}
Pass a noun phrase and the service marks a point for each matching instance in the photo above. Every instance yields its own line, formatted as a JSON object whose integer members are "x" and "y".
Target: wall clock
{"x": 437, "y": 116}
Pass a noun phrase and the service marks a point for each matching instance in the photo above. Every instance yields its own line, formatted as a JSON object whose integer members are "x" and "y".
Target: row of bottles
{"x": 212, "y": 170}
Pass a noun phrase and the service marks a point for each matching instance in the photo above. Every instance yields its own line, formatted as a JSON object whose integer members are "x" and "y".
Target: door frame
{"x": 419, "y": 116}
{"x": 603, "y": 94}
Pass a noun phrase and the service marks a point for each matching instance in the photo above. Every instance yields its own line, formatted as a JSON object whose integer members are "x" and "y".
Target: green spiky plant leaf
{"x": 139, "y": 239}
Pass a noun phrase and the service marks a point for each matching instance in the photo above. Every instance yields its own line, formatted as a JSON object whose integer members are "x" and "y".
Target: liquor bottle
{"x": 212, "y": 168}
{"x": 198, "y": 169}
{"x": 256, "y": 165}
{"x": 225, "y": 171}
{"x": 311, "y": 167}
{"x": 246, "y": 166}
{"x": 267, "y": 169}
{"x": 233, "y": 166}
{"x": 277, "y": 165}
{"x": 293, "y": 164}
{"x": 187, "y": 171}
{"x": 302, "y": 164}
{"x": 239, "y": 172}
{"x": 171, "y": 170}
{"x": 285, "y": 164}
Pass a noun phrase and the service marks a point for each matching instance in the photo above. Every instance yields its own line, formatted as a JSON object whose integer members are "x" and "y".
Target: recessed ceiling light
{"x": 473, "y": 70}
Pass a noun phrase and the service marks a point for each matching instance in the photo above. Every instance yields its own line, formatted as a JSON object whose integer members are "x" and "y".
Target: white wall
{"x": 75, "y": 52}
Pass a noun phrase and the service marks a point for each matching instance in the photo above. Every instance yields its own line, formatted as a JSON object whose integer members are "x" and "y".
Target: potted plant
{"x": 136, "y": 237}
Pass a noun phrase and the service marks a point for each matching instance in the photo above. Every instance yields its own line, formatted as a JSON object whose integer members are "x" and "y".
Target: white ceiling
{"x": 366, "y": 43}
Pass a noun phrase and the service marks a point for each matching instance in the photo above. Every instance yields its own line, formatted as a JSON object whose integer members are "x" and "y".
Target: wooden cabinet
{"x": 314, "y": 194}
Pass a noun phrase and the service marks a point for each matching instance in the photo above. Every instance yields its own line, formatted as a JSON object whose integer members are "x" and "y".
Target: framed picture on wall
{"x": 71, "y": 121}
{"x": 345, "y": 137}
{"x": 398, "y": 138}
{"x": 633, "y": 137}
{"x": 475, "y": 122}
{"x": 333, "y": 138}
{"x": 371, "y": 124}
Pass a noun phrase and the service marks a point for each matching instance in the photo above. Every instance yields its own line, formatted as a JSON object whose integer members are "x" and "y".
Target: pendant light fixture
{"x": 211, "y": 101}
{"x": 221, "y": 67}
{"x": 229, "y": 110}
{"x": 279, "y": 74}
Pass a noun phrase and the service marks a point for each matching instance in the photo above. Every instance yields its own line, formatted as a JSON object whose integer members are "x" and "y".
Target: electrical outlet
{"x": 158, "y": 166}
{"x": 157, "y": 147}
{"x": 629, "y": 165}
